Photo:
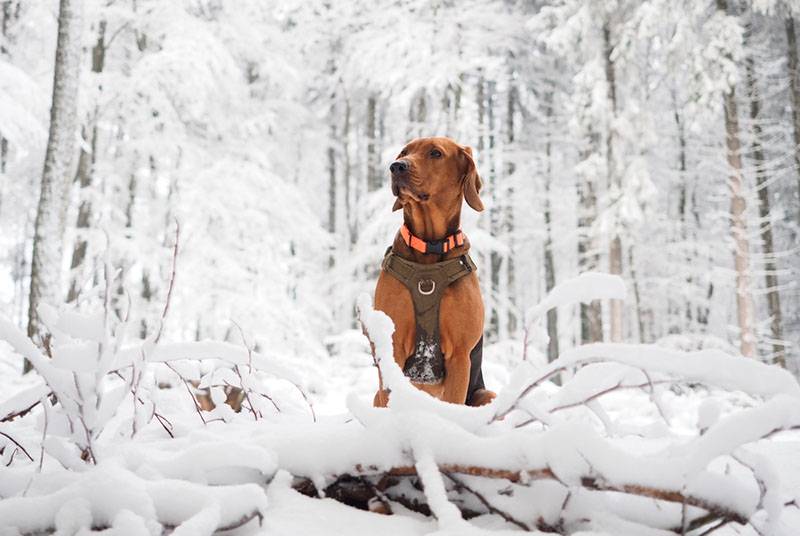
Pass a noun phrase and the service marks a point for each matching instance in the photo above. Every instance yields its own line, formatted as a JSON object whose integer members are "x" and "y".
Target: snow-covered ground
{"x": 638, "y": 440}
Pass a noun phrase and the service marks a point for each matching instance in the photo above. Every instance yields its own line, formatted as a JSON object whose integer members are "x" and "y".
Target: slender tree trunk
{"x": 762, "y": 181}
{"x": 615, "y": 246}
{"x": 683, "y": 197}
{"x": 457, "y": 92}
{"x": 497, "y": 320}
{"x": 588, "y": 252}
{"x": 86, "y": 162}
{"x": 373, "y": 174}
{"x": 332, "y": 185}
{"x": 52, "y": 207}
{"x": 508, "y": 221}
{"x": 417, "y": 114}
{"x": 481, "y": 101}
{"x": 794, "y": 91}
{"x": 7, "y": 15}
{"x": 744, "y": 297}
{"x": 350, "y": 216}
{"x": 643, "y": 335}
{"x": 549, "y": 263}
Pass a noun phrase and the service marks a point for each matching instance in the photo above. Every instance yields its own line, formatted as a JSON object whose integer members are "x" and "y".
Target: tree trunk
{"x": 86, "y": 162}
{"x": 497, "y": 320}
{"x": 7, "y": 15}
{"x": 52, "y": 207}
{"x": 643, "y": 336}
{"x": 744, "y": 298}
{"x": 588, "y": 253}
{"x": 373, "y": 174}
{"x": 614, "y": 186}
{"x": 683, "y": 197}
{"x": 481, "y": 101}
{"x": 549, "y": 264}
{"x": 332, "y": 185}
{"x": 794, "y": 91}
{"x": 350, "y": 215}
{"x": 508, "y": 220}
{"x": 765, "y": 223}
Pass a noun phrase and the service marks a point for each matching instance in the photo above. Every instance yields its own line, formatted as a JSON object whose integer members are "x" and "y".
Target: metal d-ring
{"x": 429, "y": 292}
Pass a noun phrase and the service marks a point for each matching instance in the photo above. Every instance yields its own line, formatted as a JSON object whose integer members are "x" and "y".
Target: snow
{"x": 247, "y": 124}
{"x": 572, "y": 454}
{"x": 584, "y": 288}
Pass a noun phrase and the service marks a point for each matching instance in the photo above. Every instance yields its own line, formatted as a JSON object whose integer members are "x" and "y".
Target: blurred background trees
{"x": 656, "y": 139}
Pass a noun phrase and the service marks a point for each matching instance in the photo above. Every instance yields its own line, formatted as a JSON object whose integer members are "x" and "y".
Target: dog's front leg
{"x": 456, "y": 378}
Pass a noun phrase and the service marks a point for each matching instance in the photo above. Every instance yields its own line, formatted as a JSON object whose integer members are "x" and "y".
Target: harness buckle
{"x": 426, "y": 292}
{"x": 465, "y": 263}
{"x": 436, "y": 248}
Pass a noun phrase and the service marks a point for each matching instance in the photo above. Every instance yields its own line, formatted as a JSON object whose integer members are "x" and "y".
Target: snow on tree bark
{"x": 765, "y": 223}
{"x": 51, "y": 211}
{"x": 741, "y": 250}
{"x": 86, "y": 162}
{"x": 614, "y": 185}
{"x": 549, "y": 262}
{"x": 793, "y": 67}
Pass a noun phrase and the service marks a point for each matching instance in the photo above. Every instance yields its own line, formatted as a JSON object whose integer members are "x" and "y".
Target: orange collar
{"x": 436, "y": 247}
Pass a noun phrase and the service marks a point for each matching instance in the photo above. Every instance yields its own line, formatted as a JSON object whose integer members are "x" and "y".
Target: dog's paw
{"x": 481, "y": 397}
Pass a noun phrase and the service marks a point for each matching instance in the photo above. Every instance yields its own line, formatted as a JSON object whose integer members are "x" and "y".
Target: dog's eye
{"x": 436, "y": 153}
{"x": 402, "y": 153}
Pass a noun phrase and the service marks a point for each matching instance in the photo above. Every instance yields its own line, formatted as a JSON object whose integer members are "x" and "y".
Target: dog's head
{"x": 435, "y": 171}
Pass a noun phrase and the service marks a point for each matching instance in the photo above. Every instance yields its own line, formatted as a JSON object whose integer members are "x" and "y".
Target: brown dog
{"x": 428, "y": 273}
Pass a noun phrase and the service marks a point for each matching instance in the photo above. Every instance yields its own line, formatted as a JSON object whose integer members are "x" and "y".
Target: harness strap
{"x": 436, "y": 247}
{"x": 426, "y": 283}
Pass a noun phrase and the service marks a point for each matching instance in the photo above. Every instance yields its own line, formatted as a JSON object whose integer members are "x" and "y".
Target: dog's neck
{"x": 430, "y": 222}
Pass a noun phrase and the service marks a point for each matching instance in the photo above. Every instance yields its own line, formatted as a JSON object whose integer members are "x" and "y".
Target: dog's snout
{"x": 398, "y": 166}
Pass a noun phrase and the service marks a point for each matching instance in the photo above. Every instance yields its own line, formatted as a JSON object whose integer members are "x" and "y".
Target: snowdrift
{"x": 111, "y": 438}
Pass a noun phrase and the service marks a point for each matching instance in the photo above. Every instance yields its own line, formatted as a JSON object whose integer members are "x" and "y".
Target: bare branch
{"x": 171, "y": 281}
{"x": 20, "y": 447}
{"x": 493, "y": 509}
{"x": 589, "y": 482}
{"x": 365, "y": 331}
{"x": 22, "y": 412}
{"x": 189, "y": 390}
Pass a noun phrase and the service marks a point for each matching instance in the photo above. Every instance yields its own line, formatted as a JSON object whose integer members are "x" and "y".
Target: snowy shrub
{"x": 638, "y": 439}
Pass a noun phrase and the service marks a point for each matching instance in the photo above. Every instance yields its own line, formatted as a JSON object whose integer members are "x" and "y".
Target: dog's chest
{"x": 426, "y": 283}
{"x": 426, "y": 364}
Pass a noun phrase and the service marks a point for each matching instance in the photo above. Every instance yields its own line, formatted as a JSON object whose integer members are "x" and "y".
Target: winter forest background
{"x": 656, "y": 140}
{"x": 266, "y": 131}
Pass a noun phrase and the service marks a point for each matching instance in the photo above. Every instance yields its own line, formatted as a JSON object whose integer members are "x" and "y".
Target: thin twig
{"x": 493, "y": 509}
{"x": 189, "y": 390}
{"x": 22, "y": 412}
{"x": 171, "y": 281}
{"x": 157, "y": 415}
{"x": 527, "y": 390}
{"x": 250, "y": 368}
{"x": 11, "y": 458}
{"x": 20, "y": 447}
{"x": 655, "y": 401}
{"x": 365, "y": 331}
{"x": 713, "y": 528}
{"x": 271, "y": 400}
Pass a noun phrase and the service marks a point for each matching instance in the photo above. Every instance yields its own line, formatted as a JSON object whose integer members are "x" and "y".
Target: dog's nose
{"x": 398, "y": 166}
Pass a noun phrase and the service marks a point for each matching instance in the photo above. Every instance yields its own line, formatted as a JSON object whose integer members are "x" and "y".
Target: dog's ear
{"x": 472, "y": 181}
{"x": 397, "y": 205}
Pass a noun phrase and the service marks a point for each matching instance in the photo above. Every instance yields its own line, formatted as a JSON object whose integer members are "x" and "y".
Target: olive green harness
{"x": 426, "y": 283}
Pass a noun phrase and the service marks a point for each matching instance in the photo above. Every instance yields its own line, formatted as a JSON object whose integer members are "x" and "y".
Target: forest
{"x": 194, "y": 194}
